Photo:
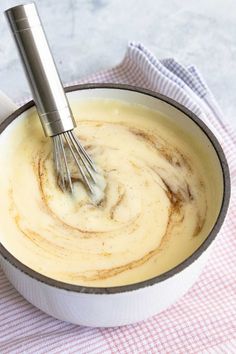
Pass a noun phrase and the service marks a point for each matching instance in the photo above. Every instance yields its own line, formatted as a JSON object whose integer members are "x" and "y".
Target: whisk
{"x": 51, "y": 102}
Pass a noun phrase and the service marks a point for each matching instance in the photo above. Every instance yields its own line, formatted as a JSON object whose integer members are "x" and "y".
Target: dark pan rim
{"x": 124, "y": 288}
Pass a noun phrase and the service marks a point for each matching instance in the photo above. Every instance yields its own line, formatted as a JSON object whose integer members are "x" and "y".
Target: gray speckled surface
{"x": 90, "y": 35}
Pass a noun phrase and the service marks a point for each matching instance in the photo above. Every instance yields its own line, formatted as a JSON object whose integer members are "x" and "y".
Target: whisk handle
{"x": 46, "y": 87}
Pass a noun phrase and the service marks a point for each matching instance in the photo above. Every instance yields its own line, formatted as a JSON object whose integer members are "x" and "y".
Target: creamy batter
{"x": 155, "y": 210}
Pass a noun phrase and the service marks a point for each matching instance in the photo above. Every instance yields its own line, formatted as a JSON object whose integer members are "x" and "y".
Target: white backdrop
{"x": 90, "y": 35}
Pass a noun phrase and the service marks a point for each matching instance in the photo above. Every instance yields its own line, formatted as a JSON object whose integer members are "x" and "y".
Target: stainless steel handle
{"x": 47, "y": 90}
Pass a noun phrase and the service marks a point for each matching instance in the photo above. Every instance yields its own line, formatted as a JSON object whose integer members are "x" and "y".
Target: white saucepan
{"x": 116, "y": 306}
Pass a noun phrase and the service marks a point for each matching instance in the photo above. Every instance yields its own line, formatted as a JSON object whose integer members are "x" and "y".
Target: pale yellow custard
{"x": 155, "y": 212}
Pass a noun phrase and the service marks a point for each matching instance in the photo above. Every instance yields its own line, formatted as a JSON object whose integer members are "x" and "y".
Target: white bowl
{"x": 116, "y": 306}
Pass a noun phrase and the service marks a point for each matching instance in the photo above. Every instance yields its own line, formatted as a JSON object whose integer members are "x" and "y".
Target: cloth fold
{"x": 204, "y": 320}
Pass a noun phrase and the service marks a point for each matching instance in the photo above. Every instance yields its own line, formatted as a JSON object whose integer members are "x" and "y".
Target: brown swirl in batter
{"x": 176, "y": 213}
{"x": 154, "y": 201}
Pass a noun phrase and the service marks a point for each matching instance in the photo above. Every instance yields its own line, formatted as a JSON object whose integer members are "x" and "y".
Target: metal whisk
{"x": 49, "y": 96}
{"x": 82, "y": 159}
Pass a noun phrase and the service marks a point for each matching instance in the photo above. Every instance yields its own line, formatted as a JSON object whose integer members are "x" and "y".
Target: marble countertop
{"x": 90, "y": 35}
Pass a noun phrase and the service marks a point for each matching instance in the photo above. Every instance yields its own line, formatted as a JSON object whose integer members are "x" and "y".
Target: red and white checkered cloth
{"x": 204, "y": 320}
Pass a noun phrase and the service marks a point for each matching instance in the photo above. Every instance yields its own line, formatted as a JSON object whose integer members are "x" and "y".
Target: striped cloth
{"x": 204, "y": 320}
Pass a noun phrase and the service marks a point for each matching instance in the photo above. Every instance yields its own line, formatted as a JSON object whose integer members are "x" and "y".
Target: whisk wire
{"x": 81, "y": 156}
{"x": 61, "y": 174}
{"x": 65, "y": 163}
{"x": 55, "y": 157}
{"x": 58, "y": 163}
{"x": 83, "y": 151}
{"x": 78, "y": 163}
